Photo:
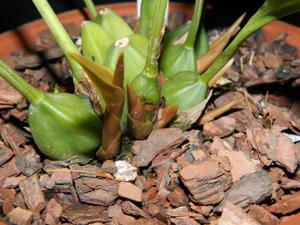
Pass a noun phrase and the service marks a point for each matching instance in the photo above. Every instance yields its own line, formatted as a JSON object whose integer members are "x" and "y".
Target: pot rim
{"x": 22, "y": 38}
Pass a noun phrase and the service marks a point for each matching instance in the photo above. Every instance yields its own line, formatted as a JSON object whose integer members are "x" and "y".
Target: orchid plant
{"x": 131, "y": 83}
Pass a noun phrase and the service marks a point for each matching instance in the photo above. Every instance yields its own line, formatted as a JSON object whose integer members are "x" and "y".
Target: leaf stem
{"x": 151, "y": 66}
{"x": 91, "y": 7}
{"x": 191, "y": 38}
{"x": 60, "y": 35}
{"x": 32, "y": 94}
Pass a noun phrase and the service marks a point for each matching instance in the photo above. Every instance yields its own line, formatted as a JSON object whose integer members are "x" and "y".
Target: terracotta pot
{"x": 21, "y": 38}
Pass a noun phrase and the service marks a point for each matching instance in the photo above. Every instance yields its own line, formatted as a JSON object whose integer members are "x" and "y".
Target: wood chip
{"x": 219, "y": 128}
{"x": 13, "y": 137}
{"x": 251, "y": 188}
{"x": 28, "y": 162}
{"x": 5, "y": 153}
{"x": 286, "y": 205}
{"x": 130, "y": 191}
{"x": 262, "y": 216}
{"x": 206, "y": 180}
{"x": 234, "y": 215}
{"x": 159, "y": 140}
{"x": 32, "y": 193}
{"x": 20, "y": 216}
{"x": 275, "y": 146}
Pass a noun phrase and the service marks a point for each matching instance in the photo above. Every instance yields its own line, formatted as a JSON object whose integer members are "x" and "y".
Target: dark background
{"x": 16, "y": 12}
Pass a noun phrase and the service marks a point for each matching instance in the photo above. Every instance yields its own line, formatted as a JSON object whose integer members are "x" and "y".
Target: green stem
{"x": 151, "y": 66}
{"x": 32, "y": 94}
{"x": 60, "y": 35}
{"x": 91, "y": 7}
{"x": 269, "y": 11}
{"x": 190, "y": 41}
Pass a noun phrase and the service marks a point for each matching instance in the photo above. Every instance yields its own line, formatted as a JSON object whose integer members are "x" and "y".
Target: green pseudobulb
{"x": 184, "y": 90}
{"x": 134, "y": 48}
{"x": 65, "y": 126}
{"x": 113, "y": 24}
{"x": 94, "y": 41}
{"x": 179, "y": 52}
{"x": 62, "y": 125}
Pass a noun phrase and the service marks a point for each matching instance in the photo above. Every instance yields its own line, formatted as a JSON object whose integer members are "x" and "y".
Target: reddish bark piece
{"x": 7, "y": 196}
{"x": 199, "y": 155}
{"x": 12, "y": 182}
{"x": 245, "y": 119}
{"x": 62, "y": 177}
{"x": 240, "y": 164}
{"x": 140, "y": 182}
{"x": 20, "y": 216}
{"x": 219, "y": 144}
{"x": 130, "y": 191}
{"x": 84, "y": 214}
{"x": 131, "y": 209}
{"x": 204, "y": 210}
{"x": 32, "y": 193}
{"x": 184, "y": 212}
{"x": 7, "y": 206}
{"x": 109, "y": 166}
{"x": 288, "y": 204}
{"x": 234, "y": 215}
{"x": 28, "y": 162}
{"x": 282, "y": 116}
{"x": 178, "y": 198}
{"x": 5, "y": 153}
{"x": 206, "y": 180}
{"x": 9, "y": 169}
{"x": 53, "y": 212}
{"x": 158, "y": 212}
{"x": 96, "y": 191}
{"x": 13, "y": 137}
{"x": 275, "y": 146}
{"x": 166, "y": 156}
{"x": 9, "y": 95}
{"x": 115, "y": 212}
{"x": 219, "y": 128}
{"x": 290, "y": 220}
{"x": 6, "y": 193}
{"x": 159, "y": 140}
{"x": 290, "y": 184}
{"x": 242, "y": 144}
{"x": 184, "y": 221}
{"x": 261, "y": 215}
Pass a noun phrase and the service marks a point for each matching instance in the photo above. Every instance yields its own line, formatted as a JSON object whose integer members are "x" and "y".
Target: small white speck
{"x": 125, "y": 171}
